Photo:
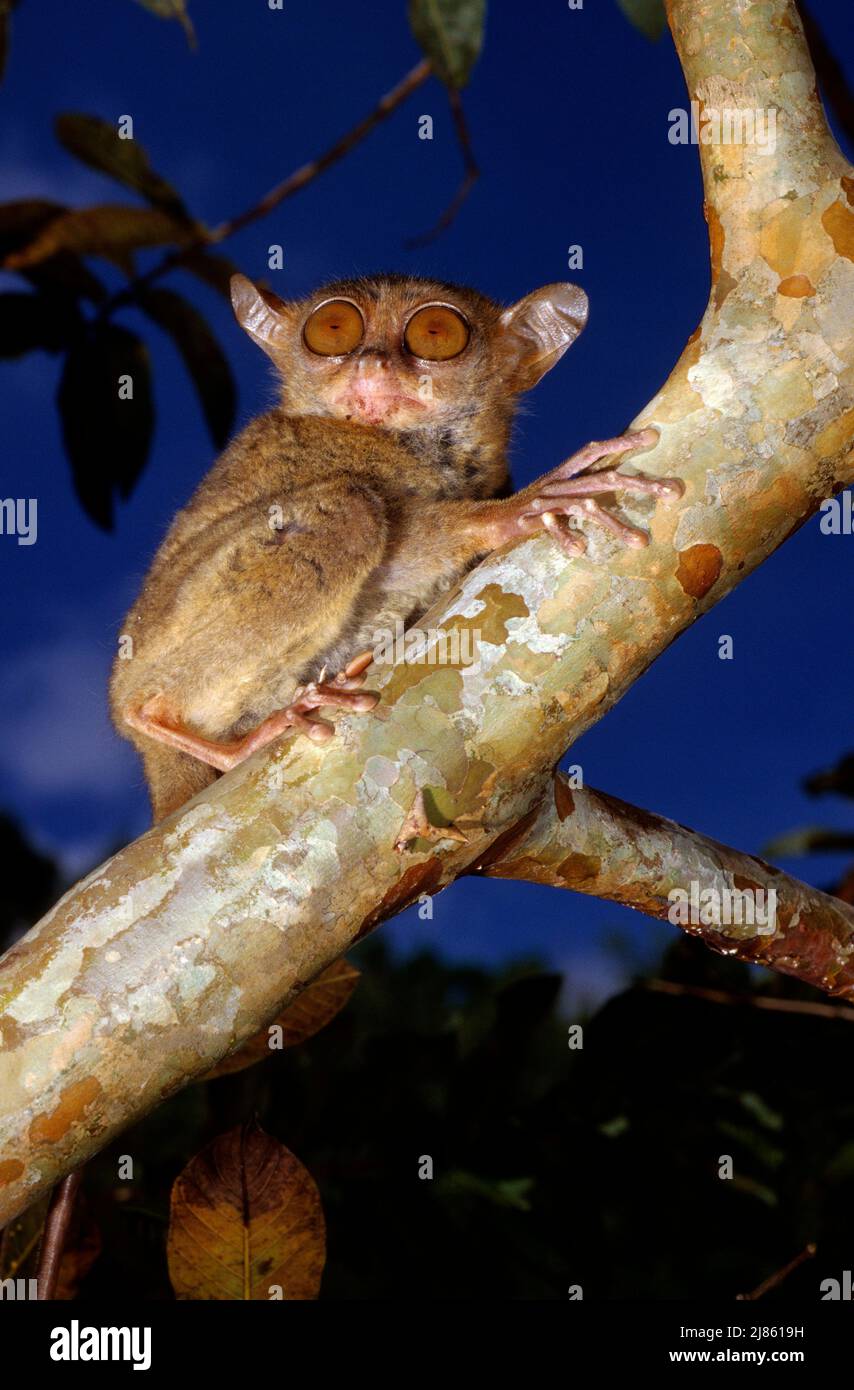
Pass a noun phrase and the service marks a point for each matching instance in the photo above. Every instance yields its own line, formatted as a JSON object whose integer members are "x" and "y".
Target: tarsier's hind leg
{"x": 180, "y": 763}
{"x": 172, "y": 777}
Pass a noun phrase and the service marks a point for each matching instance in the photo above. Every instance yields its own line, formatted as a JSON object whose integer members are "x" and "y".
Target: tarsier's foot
{"x": 569, "y": 491}
{"x": 343, "y": 690}
{"x": 152, "y": 718}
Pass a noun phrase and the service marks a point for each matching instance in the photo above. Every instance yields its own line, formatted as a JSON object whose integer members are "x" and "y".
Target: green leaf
{"x": 809, "y": 839}
{"x": 112, "y": 231}
{"x": 214, "y": 270}
{"x": 646, "y": 15}
{"x": 24, "y": 219}
{"x": 841, "y": 1166}
{"x": 614, "y": 1129}
{"x": 107, "y": 439}
{"x": 756, "y": 1106}
{"x": 31, "y": 321}
{"x": 501, "y": 1192}
{"x": 97, "y": 143}
{"x": 20, "y": 223}
{"x": 838, "y": 779}
{"x": 203, "y": 357}
{"x": 66, "y": 274}
{"x": 756, "y": 1144}
{"x": 450, "y": 33}
{"x": 172, "y": 9}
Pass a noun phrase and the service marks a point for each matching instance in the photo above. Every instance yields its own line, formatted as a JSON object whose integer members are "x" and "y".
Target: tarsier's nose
{"x": 372, "y": 359}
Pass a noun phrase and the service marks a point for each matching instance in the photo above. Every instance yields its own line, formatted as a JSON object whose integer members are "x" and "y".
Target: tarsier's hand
{"x": 569, "y": 491}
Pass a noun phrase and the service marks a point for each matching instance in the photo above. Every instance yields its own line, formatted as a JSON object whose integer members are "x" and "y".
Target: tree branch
{"x": 595, "y": 844}
{"x": 194, "y": 937}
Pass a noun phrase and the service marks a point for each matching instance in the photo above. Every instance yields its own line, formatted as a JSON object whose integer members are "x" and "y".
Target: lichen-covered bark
{"x": 596, "y": 844}
{"x": 193, "y": 937}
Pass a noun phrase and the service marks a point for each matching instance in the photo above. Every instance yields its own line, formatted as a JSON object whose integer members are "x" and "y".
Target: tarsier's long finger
{"x": 601, "y": 448}
{"x": 531, "y": 523}
{"x": 569, "y": 541}
{"x": 611, "y": 481}
{"x": 593, "y": 511}
{"x": 629, "y": 535}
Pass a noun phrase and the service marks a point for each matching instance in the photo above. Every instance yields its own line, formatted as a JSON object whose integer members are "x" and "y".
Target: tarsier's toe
{"x": 571, "y": 542}
{"x": 318, "y": 730}
{"x": 356, "y": 667}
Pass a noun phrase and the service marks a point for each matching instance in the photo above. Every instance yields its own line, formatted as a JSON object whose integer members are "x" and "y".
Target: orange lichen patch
{"x": 836, "y": 436}
{"x": 564, "y": 803}
{"x": 796, "y": 287}
{"x": 848, "y": 187}
{"x": 780, "y": 238}
{"x": 420, "y": 878}
{"x": 489, "y": 625}
{"x": 410, "y": 673}
{"x": 792, "y": 242}
{"x": 491, "y": 622}
{"x": 526, "y": 867}
{"x": 578, "y": 868}
{"x": 72, "y": 1105}
{"x": 725, "y": 285}
{"x": 698, "y": 569}
{"x": 10, "y": 1170}
{"x": 838, "y": 222}
{"x": 717, "y": 238}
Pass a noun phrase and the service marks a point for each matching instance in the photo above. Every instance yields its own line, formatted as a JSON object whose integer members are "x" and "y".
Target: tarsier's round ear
{"x": 538, "y": 330}
{"x": 263, "y": 315}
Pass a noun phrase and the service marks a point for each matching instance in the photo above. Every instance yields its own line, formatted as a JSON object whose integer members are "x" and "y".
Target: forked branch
{"x": 195, "y": 936}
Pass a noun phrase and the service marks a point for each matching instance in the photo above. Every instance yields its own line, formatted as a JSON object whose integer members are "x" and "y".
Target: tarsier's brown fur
{"x": 349, "y": 507}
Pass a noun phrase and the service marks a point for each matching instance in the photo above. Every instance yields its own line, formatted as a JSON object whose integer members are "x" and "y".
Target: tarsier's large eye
{"x": 334, "y": 328}
{"x": 436, "y": 333}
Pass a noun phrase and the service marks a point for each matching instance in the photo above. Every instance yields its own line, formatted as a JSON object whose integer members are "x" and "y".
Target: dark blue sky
{"x": 568, "y": 113}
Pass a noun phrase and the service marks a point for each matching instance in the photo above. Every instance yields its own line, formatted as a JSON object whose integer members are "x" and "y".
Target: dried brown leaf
{"x": 246, "y": 1223}
{"x": 312, "y": 1010}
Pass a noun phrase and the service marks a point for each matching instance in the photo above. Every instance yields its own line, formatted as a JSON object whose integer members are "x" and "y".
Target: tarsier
{"x": 369, "y": 491}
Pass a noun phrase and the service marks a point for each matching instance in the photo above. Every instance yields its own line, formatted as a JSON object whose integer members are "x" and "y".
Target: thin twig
{"x": 292, "y": 184}
{"x": 754, "y": 1001}
{"x": 56, "y": 1232}
{"x": 774, "y": 1280}
{"x": 472, "y": 174}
